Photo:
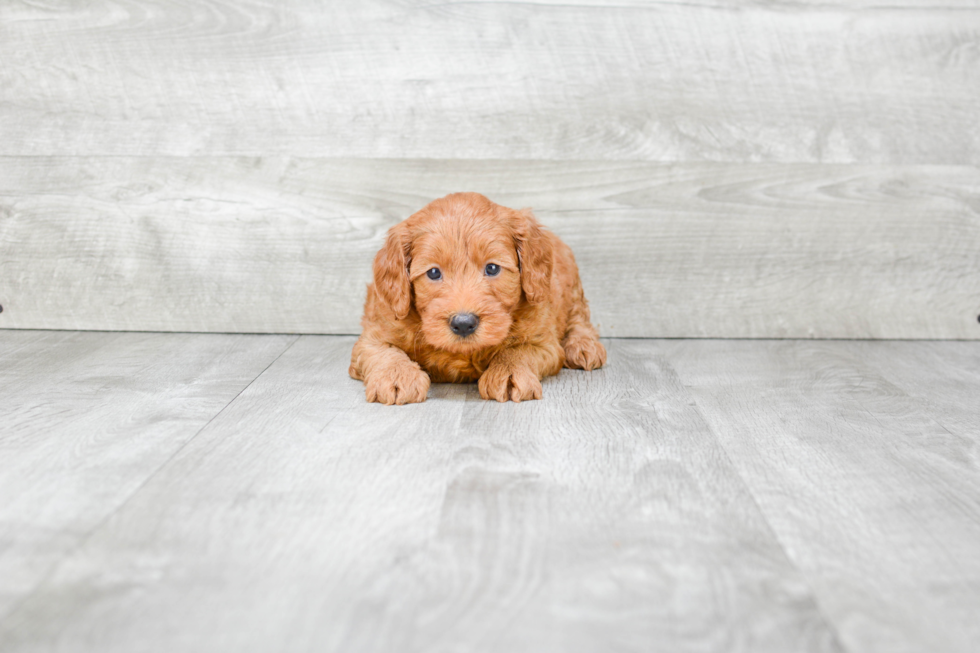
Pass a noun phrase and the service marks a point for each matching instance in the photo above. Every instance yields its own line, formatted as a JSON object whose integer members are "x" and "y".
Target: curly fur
{"x": 534, "y": 318}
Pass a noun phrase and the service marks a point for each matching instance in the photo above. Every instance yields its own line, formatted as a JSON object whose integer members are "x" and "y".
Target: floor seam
{"x": 7, "y": 618}
{"x": 831, "y": 626}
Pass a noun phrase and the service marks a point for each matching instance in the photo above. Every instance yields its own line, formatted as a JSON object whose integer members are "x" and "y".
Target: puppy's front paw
{"x": 403, "y": 384}
{"x": 584, "y": 353}
{"x": 503, "y": 382}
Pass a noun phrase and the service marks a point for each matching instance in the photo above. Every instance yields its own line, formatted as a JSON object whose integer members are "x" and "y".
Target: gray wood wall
{"x": 722, "y": 169}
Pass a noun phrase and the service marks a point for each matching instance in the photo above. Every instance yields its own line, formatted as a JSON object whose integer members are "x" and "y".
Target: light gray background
{"x": 726, "y": 169}
{"x": 739, "y": 169}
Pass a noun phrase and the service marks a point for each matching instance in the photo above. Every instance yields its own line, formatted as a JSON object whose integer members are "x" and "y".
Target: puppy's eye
{"x": 492, "y": 269}
{"x": 434, "y": 274}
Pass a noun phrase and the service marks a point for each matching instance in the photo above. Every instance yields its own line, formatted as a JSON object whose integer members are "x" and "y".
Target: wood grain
{"x": 868, "y": 82}
{"x": 874, "y": 498}
{"x": 87, "y": 418}
{"x": 686, "y": 250}
{"x": 606, "y": 517}
{"x": 944, "y": 376}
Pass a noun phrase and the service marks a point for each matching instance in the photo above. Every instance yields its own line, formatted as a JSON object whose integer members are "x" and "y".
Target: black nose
{"x": 463, "y": 324}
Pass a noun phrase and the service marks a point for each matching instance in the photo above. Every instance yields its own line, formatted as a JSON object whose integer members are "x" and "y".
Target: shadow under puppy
{"x": 468, "y": 290}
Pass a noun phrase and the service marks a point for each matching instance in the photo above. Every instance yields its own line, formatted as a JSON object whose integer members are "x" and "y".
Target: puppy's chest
{"x": 446, "y": 367}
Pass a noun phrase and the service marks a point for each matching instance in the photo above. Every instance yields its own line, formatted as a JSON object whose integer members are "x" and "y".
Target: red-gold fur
{"x": 533, "y": 315}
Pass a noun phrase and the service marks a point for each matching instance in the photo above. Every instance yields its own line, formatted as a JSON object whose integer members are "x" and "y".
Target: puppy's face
{"x": 463, "y": 262}
{"x": 466, "y": 280}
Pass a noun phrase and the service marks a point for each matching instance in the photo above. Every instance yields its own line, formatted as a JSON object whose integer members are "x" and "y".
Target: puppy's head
{"x": 464, "y": 263}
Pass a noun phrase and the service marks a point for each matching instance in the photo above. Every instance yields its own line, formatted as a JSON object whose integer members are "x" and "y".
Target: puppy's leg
{"x": 515, "y": 373}
{"x": 389, "y": 375}
{"x": 581, "y": 342}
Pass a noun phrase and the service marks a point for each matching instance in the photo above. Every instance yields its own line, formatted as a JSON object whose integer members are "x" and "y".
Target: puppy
{"x": 468, "y": 290}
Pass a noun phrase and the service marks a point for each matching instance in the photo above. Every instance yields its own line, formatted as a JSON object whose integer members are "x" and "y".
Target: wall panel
{"x": 235, "y": 244}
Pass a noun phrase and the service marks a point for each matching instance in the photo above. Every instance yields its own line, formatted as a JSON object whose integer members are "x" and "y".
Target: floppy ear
{"x": 534, "y": 253}
{"x": 391, "y": 272}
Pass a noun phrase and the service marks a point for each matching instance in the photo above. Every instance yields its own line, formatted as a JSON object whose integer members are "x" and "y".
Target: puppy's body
{"x": 493, "y": 265}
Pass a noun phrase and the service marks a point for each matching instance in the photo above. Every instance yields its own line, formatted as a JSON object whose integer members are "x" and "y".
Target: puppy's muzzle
{"x": 464, "y": 324}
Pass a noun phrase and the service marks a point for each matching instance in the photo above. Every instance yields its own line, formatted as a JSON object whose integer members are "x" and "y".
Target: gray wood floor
{"x": 177, "y": 492}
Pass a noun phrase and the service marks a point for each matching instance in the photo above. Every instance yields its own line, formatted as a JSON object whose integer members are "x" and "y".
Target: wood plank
{"x": 874, "y": 499}
{"x": 12, "y": 342}
{"x": 87, "y": 418}
{"x": 687, "y": 250}
{"x": 604, "y": 517}
{"x": 871, "y": 82}
{"x": 943, "y": 381}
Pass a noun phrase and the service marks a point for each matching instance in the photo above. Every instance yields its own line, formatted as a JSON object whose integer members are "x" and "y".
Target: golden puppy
{"x": 468, "y": 290}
